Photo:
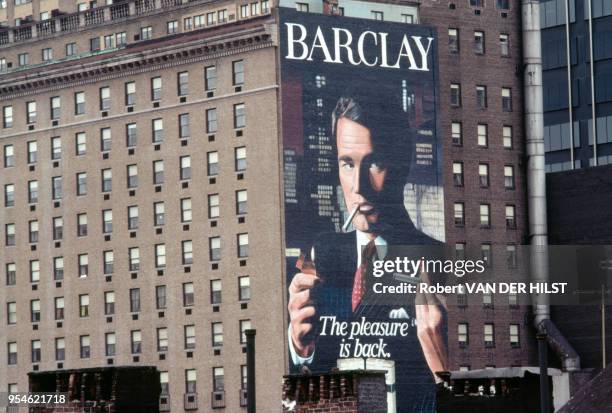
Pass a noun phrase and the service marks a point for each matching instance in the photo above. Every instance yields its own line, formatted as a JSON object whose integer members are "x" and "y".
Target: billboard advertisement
{"x": 362, "y": 174}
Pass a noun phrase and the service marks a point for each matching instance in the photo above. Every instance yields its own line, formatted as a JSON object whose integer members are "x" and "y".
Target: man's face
{"x": 362, "y": 174}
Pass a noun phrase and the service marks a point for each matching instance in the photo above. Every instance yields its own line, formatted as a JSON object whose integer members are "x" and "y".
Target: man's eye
{"x": 347, "y": 166}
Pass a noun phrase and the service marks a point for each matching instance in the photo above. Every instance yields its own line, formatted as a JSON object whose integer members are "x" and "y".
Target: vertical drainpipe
{"x": 536, "y": 180}
{"x": 570, "y": 94}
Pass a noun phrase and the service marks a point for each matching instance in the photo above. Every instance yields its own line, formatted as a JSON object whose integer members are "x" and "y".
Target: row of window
{"x": 478, "y": 44}
{"x": 487, "y": 298}
{"x": 483, "y": 175}
{"x": 484, "y": 215}
{"x": 500, "y": 4}
{"x": 133, "y": 254}
{"x": 481, "y": 97}
{"x": 55, "y": 103}
{"x": 482, "y": 135}
{"x": 488, "y": 333}
{"x": 188, "y": 297}
{"x": 486, "y": 254}
{"x": 136, "y": 342}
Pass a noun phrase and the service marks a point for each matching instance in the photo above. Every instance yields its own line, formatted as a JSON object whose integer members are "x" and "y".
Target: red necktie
{"x": 360, "y": 275}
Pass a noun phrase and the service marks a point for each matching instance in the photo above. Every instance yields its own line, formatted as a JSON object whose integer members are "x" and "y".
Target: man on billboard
{"x": 373, "y": 145}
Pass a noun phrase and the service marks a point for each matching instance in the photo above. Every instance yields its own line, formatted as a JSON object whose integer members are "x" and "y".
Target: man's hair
{"x": 381, "y": 112}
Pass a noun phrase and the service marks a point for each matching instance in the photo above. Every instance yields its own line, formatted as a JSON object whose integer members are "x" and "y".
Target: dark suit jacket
{"x": 335, "y": 257}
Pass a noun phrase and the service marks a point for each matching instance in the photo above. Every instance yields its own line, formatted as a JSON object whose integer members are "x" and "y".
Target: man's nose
{"x": 361, "y": 180}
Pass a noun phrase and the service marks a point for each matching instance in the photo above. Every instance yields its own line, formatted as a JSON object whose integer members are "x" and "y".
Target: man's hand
{"x": 430, "y": 330}
{"x": 301, "y": 311}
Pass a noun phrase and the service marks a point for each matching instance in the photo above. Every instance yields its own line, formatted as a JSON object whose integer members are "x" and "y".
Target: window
{"x": 59, "y": 308}
{"x": 136, "y": 341}
{"x": 513, "y": 300}
{"x": 185, "y": 167}
{"x": 172, "y": 27}
{"x": 406, "y": 18}
{"x": 254, "y": 9}
{"x": 489, "y": 335}
{"x": 189, "y": 337}
{"x": 56, "y": 148}
{"x": 479, "y": 42}
{"x": 459, "y": 214}
{"x": 11, "y": 273}
{"x": 210, "y": 78}
{"x": 107, "y": 180}
{"x": 244, "y": 11}
{"x": 130, "y": 135}
{"x": 9, "y": 195}
{"x": 109, "y": 41}
{"x": 211, "y": 120}
{"x": 71, "y": 49}
{"x": 23, "y": 59}
{"x": 217, "y": 334}
{"x": 81, "y": 225}
{"x": 34, "y": 271}
{"x": 134, "y": 256}
{"x": 511, "y": 257}
{"x": 7, "y": 117}
{"x": 458, "y": 173}
{"x": 133, "y": 217}
{"x": 32, "y": 192}
{"x": 12, "y": 353}
{"x": 485, "y": 252}
{"x": 455, "y": 94}
{"x": 160, "y": 297}
{"x": 186, "y": 210}
{"x": 211, "y": 18}
{"x": 453, "y": 40}
{"x": 506, "y": 99}
{"x": 130, "y": 93}
{"x": 213, "y": 163}
{"x": 110, "y": 343}
{"x": 32, "y": 152}
{"x": 509, "y": 177}
{"x": 301, "y": 7}
{"x": 9, "y": 156}
{"x": 482, "y": 135}
{"x": 487, "y": 300}
{"x": 460, "y": 250}
{"x": 94, "y": 44}
{"x": 109, "y": 262}
{"x": 81, "y": 143}
{"x": 158, "y": 213}
{"x": 81, "y": 179}
{"x": 510, "y": 217}
{"x": 244, "y": 325}
{"x": 146, "y": 33}
{"x": 31, "y": 112}
{"x": 158, "y": 130}
{"x": 33, "y": 235}
{"x": 241, "y": 202}
{"x": 215, "y": 292}
{"x": 109, "y": 303}
{"x": 183, "y": 83}
{"x": 463, "y": 334}
{"x": 218, "y": 379}
{"x": 58, "y": 268}
{"x": 187, "y": 23}
{"x": 60, "y": 349}
{"x": 188, "y": 294}
{"x": 187, "y": 252}
{"x": 190, "y": 381}
{"x": 213, "y": 206}
{"x": 162, "y": 339}
{"x": 11, "y": 313}
{"x": 132, "y": 176}
{"x": 244, "y": 288}
{"x": 156, "y": 88}
{"x": 239, "y": 116}
{"x": 79, "y": 103}
{"x": 134, "y": 300}
{"x": 35, "y": 311}
{"x": 485, "y": 215}
{"x": 105, "y": 139}
{"x": 83, "y": 265}
{"x": 240, "y": 158}
{"x": 377, "y": 15}
{"x": 184, "y": 126}
{"x": 56, "y": 188}
{"x": 58, "y": 228}
{"x": 481, "y": 97}
{"x": 9, "y": 234}
{"x": 47, "y": 54}
{"x": 121, "y": 39}
{"x": 158, "y": 172}
{"x": 503, "y": 4}
{"x": 3, "y": 64}
{"x": 215, "y": 248}
{"x": 35, "y": 351}
{"x": 83, "y": 305}
{"x": 483, "y": 175}
{"x": 476, "y": 3}
{"x": 504, "y": 44}
{"x": 243, "y": 245}
{"x": 160, "y": 255}
{"x": 105, "y": 98}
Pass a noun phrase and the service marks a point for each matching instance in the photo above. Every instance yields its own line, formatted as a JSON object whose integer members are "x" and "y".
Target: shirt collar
{"x": 363, "y": 240}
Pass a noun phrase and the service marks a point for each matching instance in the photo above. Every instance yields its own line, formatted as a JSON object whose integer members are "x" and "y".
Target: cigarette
{"x": 350, "y": 219}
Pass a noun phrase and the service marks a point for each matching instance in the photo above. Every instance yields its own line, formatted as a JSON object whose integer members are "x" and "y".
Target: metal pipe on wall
{"x": 570, "y": 93}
